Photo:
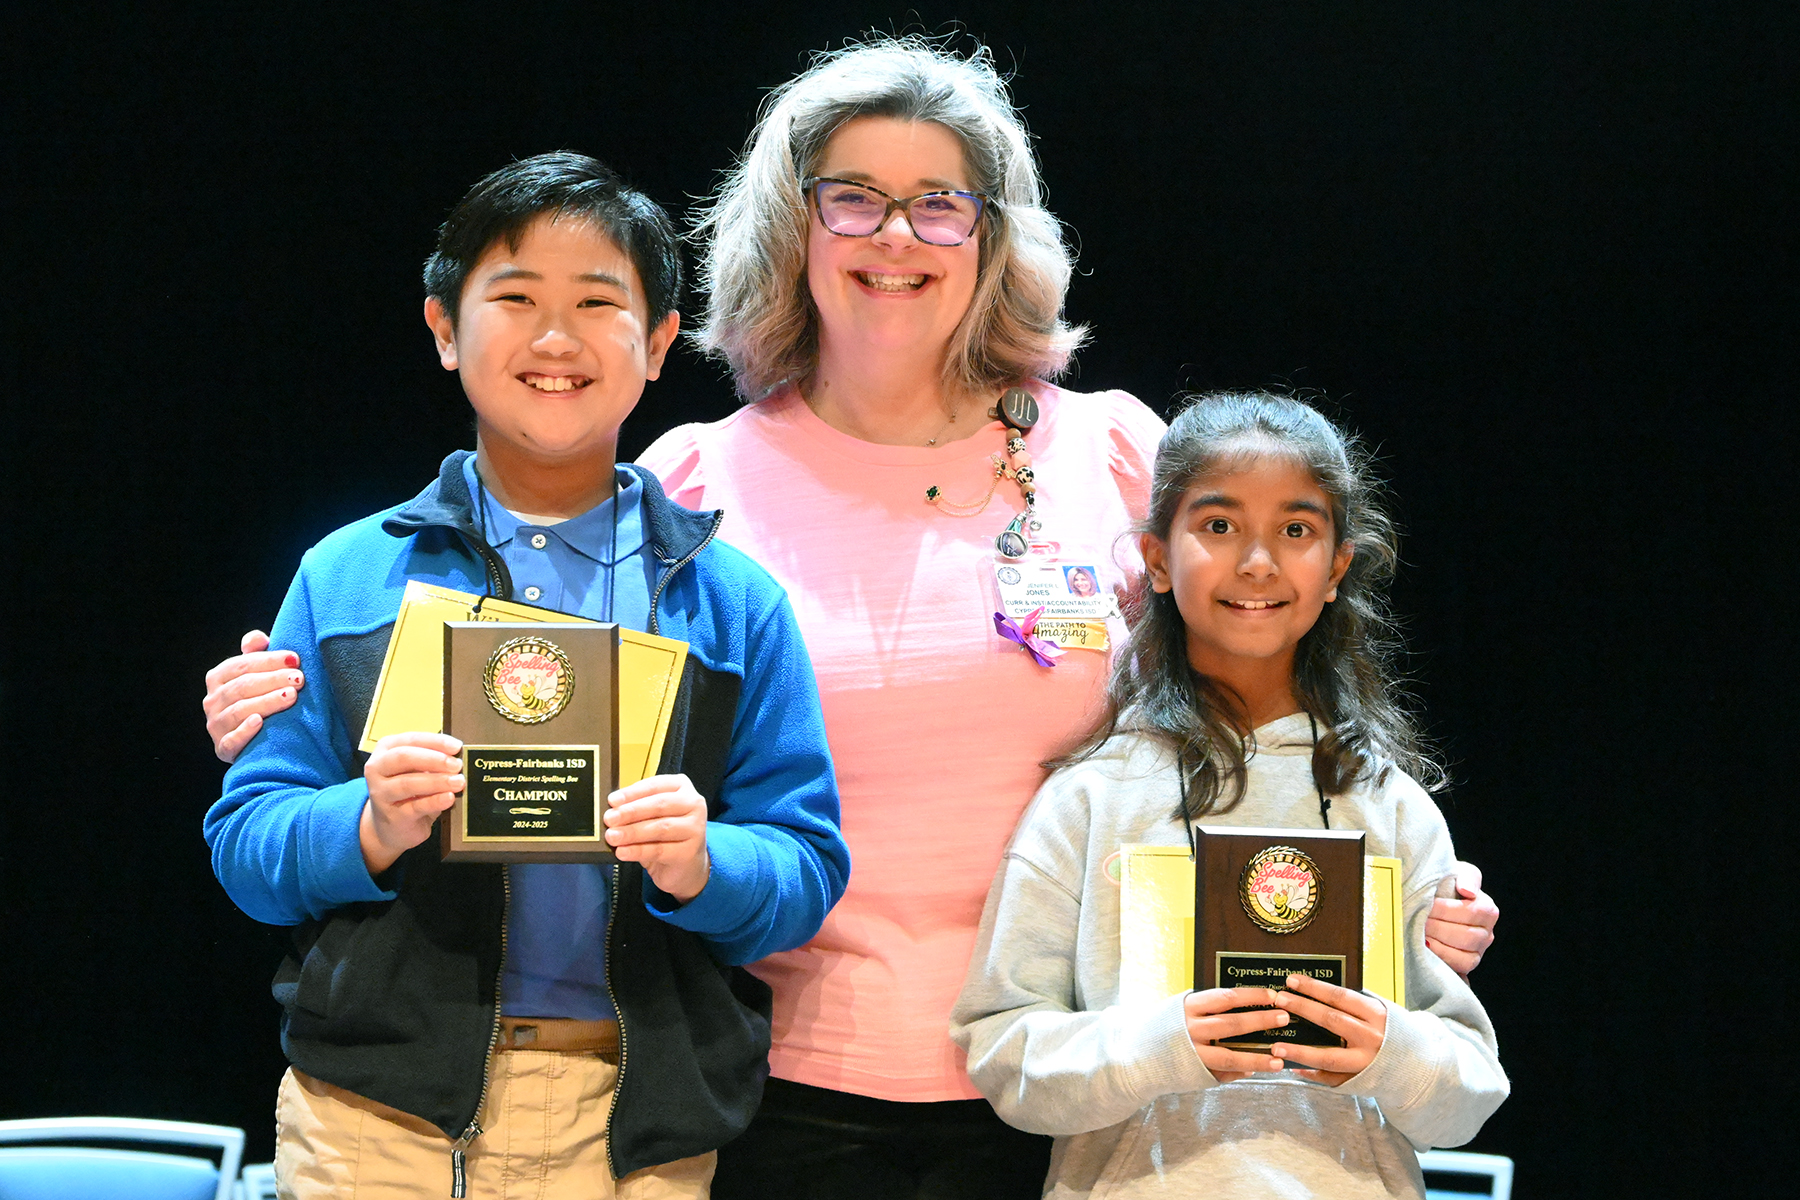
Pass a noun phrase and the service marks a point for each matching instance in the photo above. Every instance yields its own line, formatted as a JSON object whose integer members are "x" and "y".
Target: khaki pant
{"x": 543, "y": 1138}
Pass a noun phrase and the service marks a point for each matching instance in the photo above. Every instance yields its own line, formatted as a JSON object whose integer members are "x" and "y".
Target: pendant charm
{"x": 1019, "y": 409}
{"x": 1011, "y": 542}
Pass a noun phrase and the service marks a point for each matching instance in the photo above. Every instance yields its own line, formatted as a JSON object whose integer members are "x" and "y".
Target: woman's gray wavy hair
{"x": 760, "y": 316}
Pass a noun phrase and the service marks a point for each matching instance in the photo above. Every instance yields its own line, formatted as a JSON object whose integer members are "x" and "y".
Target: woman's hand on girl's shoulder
{"x": 1460, "y": 928}
{"x": 1360, "y": 1020}
{"x": 1209, "y": 1018}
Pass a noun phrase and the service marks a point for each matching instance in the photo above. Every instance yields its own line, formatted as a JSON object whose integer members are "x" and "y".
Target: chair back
{"x": 257, "y": 1182}
{"x": 38, "y": 1161}
{"x": 1457, "y": 1175}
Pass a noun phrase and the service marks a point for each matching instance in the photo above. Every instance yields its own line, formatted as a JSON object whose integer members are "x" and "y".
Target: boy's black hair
{"x": 502, "y": 205}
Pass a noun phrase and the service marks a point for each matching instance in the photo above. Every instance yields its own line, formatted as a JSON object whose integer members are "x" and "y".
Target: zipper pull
{"x": 459, "y": 1174}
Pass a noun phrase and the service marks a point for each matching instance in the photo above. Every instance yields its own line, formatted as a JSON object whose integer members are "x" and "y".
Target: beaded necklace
{"x": 1018, "y": 411}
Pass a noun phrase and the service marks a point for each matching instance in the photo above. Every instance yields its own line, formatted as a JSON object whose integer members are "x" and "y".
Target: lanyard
{"x": 1187, "y": 811}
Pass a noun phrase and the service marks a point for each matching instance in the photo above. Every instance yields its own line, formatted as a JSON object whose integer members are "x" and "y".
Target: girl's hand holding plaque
{"x": 1360, "y": 1020}
{"x": 1461, "y": 926}
{"x": 1231, "y": 1013}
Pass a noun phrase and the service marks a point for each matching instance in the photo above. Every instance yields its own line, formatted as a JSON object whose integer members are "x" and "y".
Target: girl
{"x": 1256, "y": 689}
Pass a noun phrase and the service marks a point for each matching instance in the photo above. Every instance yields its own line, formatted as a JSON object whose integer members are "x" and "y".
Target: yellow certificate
{"x": 409, "y": 696}
{"x": 1156, "y": 925}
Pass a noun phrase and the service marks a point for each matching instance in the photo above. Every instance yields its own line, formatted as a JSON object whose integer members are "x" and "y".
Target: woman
{"x": 883, "y": 280}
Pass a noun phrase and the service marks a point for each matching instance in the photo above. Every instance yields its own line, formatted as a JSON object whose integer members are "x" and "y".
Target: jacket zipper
{"x": 613, "y": 911}
{"x": 459, "y": 1179}
{"x": 619, "y": 1079}
{"x": 497, "y": 587}
{"x": 718, "y": 519}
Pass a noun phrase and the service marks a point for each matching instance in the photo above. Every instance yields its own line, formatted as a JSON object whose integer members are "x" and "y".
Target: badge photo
{"x": 1063, "y": 602}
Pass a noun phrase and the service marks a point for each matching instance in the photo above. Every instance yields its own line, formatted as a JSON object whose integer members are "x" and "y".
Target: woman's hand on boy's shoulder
{"x": 1209, "y": 1019}
{"x": 244, "y": 689}
{"x": 1460, "y": 929}
{"x": 661, "y": 823}
{"x": 1360, "y": 1020}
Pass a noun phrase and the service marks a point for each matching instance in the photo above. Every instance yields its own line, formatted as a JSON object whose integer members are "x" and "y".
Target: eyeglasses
{"x": 858, "y": 210}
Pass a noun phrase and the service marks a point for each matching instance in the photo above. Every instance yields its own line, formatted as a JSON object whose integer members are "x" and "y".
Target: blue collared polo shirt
{"x": 556, "y": 921}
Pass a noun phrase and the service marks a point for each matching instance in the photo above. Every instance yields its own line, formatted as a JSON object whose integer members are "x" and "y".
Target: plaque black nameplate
{"x": 1272, "y": 971}
{"x": 530, "y": 791}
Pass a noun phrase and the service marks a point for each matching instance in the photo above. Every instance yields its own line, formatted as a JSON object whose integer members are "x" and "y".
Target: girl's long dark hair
{"x": 1344, "y": 667}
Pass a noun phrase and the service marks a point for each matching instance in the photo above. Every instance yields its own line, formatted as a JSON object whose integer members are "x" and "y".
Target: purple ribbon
{"x": 1020, "y": 631}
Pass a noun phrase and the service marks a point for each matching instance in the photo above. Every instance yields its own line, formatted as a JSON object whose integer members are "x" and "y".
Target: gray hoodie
{"x": 1134, "y": 1111}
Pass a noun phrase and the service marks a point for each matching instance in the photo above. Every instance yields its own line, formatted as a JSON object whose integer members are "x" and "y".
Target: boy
{"x": 464, "y": 1028}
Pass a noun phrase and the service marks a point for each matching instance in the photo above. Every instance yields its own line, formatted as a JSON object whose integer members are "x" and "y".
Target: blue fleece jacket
{"x": 391, "y": 987}
{"x": 284, "y": 837}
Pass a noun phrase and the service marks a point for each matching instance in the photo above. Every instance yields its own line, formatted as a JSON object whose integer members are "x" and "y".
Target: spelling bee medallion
{"x": 1280, "y": 889}
{"x": 529, "y": 680}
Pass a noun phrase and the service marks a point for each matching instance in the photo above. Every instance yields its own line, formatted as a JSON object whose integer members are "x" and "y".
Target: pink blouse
{"x": 937, "y": 725}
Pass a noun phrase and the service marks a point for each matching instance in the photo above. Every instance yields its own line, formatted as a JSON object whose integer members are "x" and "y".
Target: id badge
{"x": 1075, "y": 605}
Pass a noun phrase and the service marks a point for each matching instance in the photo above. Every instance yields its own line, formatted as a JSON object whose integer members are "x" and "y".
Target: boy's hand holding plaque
{"x": 536, "y": 708}
{"x": 1270, "y": 903}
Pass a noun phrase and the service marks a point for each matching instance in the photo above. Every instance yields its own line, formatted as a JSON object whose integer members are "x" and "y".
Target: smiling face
{"x": 890, "y": 290}
{"x": 1252, "y": 560}
{"x": 553, "y": 343}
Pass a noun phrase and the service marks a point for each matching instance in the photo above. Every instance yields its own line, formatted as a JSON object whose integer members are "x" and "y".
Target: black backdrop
{"x": 1537, "y": 253}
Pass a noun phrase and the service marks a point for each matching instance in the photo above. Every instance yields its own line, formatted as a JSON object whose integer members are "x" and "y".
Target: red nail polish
{"x": 293, "y": 660}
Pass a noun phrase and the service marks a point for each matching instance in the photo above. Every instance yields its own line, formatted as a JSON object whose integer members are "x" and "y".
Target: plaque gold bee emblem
{"x": 529, "y": 680}
{"x": 1280, "y": 889}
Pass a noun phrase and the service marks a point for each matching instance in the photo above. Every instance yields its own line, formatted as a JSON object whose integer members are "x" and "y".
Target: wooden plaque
{"x": 1273, "y": 902}
{"x": 536, "y": 708}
